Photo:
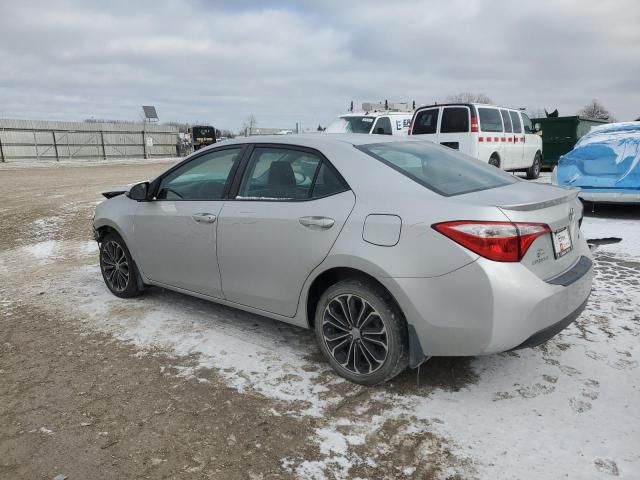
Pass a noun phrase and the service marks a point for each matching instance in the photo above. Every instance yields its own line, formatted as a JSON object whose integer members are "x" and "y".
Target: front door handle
{"x": 204, "y": 217}
{"x": 317, "y": 223}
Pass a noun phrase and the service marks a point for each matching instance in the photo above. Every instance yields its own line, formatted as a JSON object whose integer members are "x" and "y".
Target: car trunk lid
{"x": 553, "y": 253}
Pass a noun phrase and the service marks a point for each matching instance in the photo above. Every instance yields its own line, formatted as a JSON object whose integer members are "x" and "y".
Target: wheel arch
{"x": 102, "y": 229}
{"x": 335, "y": 274}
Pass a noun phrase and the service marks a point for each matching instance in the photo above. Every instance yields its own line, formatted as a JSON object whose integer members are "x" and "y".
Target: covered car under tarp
{"x": 604, "y": 164}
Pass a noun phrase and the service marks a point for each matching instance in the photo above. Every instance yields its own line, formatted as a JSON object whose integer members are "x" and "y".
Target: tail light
{"x": 474, "y": 123}
{"x": 498, "y": 241}
{"x": 410, "y": 127}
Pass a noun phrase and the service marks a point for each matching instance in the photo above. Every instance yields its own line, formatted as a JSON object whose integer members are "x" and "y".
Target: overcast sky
{"x": 220, "y": 61}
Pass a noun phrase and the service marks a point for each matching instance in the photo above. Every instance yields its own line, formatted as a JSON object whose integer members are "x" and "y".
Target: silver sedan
{"x": 392, "y": 250}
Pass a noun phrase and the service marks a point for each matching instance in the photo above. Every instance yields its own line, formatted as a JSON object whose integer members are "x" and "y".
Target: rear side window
{"x": 283, "y": 174}
{"x": 426, "y": 122}
{"x": 506, "y": 120}
{"x": 526, "y": 122}
{"x": 490, "y": 120}
{"x": 439, "y": 169}
{"x": 455, "y": 120}
{"x": 515, "y": 120}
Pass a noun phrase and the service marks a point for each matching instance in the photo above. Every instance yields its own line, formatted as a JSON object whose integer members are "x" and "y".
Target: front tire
{"x": 362, "y": 332}
{"x": 534, "y": 171}
{"x": 118, "y": 269}
{"x": 494, "y": 161}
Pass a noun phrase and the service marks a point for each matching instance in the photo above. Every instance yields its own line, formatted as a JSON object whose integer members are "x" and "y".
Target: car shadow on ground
{"x": 447, "y": 373}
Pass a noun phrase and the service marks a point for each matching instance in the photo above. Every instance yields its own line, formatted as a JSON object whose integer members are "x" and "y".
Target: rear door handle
{"x": 204, "y": 217}
{"x": 317, "y": 223}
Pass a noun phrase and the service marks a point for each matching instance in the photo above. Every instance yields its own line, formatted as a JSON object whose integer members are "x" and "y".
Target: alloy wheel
{"x": 115, "y": 266}
{"x": 355, "y": 334}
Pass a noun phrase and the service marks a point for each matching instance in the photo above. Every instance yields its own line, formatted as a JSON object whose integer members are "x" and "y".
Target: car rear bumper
{"x": 490, "y": 307}
{"x": 551, "y": 331}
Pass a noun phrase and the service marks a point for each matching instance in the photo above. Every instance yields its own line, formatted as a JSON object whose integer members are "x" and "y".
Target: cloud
{"x": 286, "y": 62}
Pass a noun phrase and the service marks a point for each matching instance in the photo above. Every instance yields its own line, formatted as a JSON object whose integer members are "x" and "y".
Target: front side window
{"x": 275, "y": 173}
{"x": 490, "y": 119}
{"x": 515, "y": 120}
{"x": 426, "y": 122}
{"x": 441, "y": 170}
{"x": 455, "y": 120}
{"x": 507, "y": 121}
{"x": 526, "y": 123}
{"x": 383, "y": 126}
{"x": 203, "y": 178}
{"x": 351, "y": 124}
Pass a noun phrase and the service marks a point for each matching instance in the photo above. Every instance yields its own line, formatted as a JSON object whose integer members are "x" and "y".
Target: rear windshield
{"x": 440, "y": 169}
{"x": 351, "y": 125}
{"x": 490, "y": 120}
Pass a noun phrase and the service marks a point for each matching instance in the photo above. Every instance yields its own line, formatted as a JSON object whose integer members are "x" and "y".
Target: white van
{"x": 380, "y": 123}
{"x": 503, "y": 137}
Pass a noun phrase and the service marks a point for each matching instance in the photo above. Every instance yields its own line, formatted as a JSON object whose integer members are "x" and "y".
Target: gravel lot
{"x": 167, "y": 386}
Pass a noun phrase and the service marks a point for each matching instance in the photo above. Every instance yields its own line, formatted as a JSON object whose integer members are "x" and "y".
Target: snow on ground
{"x": 568, "y": 408}
{"x": 80, "y": 162}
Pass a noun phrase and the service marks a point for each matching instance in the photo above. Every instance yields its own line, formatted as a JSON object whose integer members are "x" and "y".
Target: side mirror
{"x": 380, "y": 131}
{"x": 139, "y": 192}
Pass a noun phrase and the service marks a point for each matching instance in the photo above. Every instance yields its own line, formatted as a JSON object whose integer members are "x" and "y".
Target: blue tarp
{"x": 606, "y": 160}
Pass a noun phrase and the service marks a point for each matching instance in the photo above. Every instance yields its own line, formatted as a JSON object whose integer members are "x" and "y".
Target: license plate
{"x": 561, "y": 242}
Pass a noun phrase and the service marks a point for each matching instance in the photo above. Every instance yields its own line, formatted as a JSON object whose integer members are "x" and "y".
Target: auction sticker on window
{"x": 561, "y": 242}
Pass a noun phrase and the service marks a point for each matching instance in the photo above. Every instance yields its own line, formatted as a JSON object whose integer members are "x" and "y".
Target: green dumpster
{"x": 560, "y": 134}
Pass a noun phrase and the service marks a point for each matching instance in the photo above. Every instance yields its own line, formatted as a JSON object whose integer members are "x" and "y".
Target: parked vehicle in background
{"x": 392, "y": 249}
{"x": 560, "y": 134}
{"x": 202, "y": 136}
{"x": 502, "y": 137}
{"x": 376, "y": 119}
{"x": 605, "y": 164}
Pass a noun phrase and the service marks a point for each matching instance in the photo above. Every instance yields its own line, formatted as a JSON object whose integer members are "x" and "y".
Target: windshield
{"x": 440, "y": 169}
{"x": 351, "y": 125}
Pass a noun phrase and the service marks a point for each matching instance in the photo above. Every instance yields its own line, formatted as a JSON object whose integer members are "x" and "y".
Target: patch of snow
{"x": 628, "y": 230}
{"x": 42, "y": 251}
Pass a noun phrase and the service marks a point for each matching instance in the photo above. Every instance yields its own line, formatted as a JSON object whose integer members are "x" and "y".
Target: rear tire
{"x": 119, "y": 271}
{"x": 362, "y": 332}
{"x": 533, "y": 172}
{"x": 494, "y": 160}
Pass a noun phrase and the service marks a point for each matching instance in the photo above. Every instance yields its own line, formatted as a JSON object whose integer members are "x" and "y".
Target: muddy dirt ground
{"x": 85, "y": 395}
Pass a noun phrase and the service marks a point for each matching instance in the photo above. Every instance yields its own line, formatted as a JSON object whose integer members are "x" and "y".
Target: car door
{"x": 382, "y": 126}
{"x": 518, "y": 141}
{"x": 532, "y": 142}
{"x": 175, "y": 234}
{"x": 454, "y": 129}
{"x": 425, "y": 122}
{"x": 288, "y": 211}
{"x": 510, "y": 160}
{"x": 491, "y": 132}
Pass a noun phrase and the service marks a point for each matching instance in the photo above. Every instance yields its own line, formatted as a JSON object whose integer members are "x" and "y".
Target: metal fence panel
{"x": 22, "y": 140}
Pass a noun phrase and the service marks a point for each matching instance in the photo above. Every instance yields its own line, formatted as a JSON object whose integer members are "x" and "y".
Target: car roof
{"x": 463, "y": 104}
{"x": 374, "y": 113}
{"x": 318, "y": 140}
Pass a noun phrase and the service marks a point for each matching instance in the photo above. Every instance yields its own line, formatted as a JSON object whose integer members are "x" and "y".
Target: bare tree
{"x": 536, "y": 113}
{"x": 595, "y": 110}
{"x": 249, "y": 124}
{"x": 468, "y": 97}
{"x": 227, "y": 133}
